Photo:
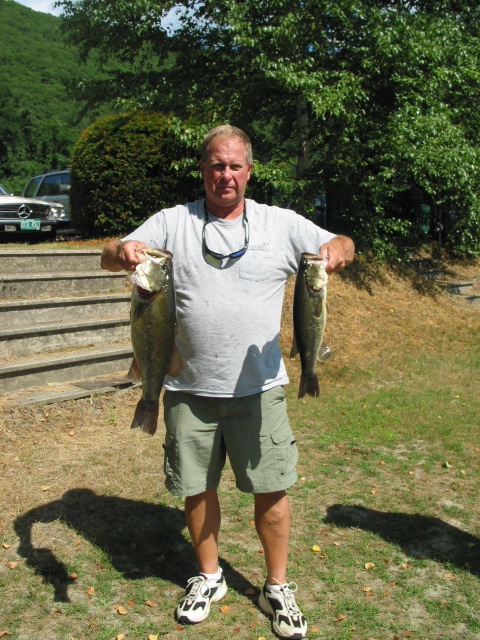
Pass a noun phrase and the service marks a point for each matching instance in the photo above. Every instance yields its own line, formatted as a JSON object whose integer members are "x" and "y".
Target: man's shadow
{"x": 419, "y": 536}
{"x": 141, "y": 539}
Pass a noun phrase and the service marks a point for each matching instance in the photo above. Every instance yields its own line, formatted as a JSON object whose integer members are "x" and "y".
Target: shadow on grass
{"x": 141, "y": 539}
{"x": 419, "y": 536}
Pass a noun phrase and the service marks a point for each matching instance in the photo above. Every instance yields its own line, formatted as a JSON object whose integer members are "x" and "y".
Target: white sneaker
{"x": 199, "y": 594}
{"x": 288, "y": 621}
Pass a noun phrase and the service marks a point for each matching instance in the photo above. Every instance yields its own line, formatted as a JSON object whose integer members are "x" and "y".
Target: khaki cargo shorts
{"x": 253, "y": 431}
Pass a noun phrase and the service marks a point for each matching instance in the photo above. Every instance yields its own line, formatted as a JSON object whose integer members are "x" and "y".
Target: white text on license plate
{"x": 30, "y": 225}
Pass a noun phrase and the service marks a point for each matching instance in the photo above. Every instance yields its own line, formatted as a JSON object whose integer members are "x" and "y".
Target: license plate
{"x": 30, "y": 225}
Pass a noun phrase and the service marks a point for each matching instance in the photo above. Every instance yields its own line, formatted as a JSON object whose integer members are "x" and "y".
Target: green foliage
{"x": 128, "y": 166}
{"x": 39, "y": 119}
{"x": 374, "y": 104}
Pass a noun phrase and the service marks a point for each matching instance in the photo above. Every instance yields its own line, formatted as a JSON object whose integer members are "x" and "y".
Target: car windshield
{"x": 3, "y": 191}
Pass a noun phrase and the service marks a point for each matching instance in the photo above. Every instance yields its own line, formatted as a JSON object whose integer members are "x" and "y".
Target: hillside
{"x": 39, "y": 118}
{"x": 35, "y": 62}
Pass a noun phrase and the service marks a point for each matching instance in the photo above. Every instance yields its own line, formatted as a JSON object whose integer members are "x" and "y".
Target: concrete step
{"x": 459, "y": 287}
{"x": 29, "y": 313}
{"x": 64, "y": 391}
{"x": 45, "y": 338}
{"x": 47, "y": 369}
{"x": 53, "y": 285}
{"x": 48, "y": 261}
{"x": 473, "y": 299}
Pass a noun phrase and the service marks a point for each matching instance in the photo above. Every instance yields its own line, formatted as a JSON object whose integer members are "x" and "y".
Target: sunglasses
{"x": 230, "y": 256}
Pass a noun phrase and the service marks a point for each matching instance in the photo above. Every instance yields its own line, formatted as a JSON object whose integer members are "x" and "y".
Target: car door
{"x": 56, "y": 188}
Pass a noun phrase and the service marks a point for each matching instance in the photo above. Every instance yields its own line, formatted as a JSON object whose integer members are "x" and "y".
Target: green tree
{"x": 372, "y": 103}
{"x": 127, "y": 166}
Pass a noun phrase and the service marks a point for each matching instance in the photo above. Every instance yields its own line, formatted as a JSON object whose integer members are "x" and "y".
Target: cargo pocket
{"x": 170, "y": 461}
{"x": 285, "y": 454}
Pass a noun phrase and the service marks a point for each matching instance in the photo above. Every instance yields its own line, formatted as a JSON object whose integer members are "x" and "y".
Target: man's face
{"x": 225, "y": 173}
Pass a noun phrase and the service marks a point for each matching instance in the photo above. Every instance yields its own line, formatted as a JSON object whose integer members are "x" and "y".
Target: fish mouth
{"x": 145, "y": 294}
{"x": 157, "y": 253}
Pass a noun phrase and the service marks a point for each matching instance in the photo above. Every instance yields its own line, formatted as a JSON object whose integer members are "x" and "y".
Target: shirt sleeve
{"x": 153, "y": 232}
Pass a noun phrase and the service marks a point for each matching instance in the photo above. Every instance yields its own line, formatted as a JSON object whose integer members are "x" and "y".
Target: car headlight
{"x": 56, "y": 212}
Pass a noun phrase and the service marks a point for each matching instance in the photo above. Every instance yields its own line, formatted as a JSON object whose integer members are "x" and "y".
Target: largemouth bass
{"x": 309, "y": 318}
{"x": 152, "y": 319}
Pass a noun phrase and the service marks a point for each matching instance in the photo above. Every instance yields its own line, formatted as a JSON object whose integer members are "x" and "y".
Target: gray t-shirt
{"x": 229, "y": 314}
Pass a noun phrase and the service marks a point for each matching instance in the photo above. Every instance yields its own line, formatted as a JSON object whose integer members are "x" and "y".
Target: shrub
{"x": 126, "y": 167}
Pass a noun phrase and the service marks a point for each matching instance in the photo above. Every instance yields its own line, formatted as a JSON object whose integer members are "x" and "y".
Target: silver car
{"x": 53, "y": 186}
{"x": 30, "y": 215}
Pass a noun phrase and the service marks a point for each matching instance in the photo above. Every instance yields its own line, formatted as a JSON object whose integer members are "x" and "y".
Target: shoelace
{"x": 291, "y": 606}
{"x": 199, "y": 583}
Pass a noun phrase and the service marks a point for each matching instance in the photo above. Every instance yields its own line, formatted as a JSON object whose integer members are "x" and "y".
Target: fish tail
{"x": 146, "y": 417}
{"x": 309, "y": 385}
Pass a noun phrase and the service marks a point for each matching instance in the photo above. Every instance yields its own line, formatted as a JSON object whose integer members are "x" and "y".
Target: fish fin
{"x": 175, "y": 367}
{"x": 134, "y": 374}
{"x": 324, "y": 353}
{"x": 309, "y": 385}
{"x": 294, "y": 351}
{"x": 145, "y": 417}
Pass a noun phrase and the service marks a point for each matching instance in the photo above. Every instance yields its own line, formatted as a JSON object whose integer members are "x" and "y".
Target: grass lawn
{"x": 386, "y": 513}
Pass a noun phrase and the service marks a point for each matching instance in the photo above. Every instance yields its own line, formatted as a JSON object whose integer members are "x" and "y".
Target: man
{"x": 232, "y": 258}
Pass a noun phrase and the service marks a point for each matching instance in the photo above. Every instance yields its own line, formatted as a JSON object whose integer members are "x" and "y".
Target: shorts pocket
{"x": 285, "y": 454}
{"x": 170, "y": 459}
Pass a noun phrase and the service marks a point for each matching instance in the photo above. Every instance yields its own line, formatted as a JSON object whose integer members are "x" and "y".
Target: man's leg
{"x": 272, "y": 521}
{"x": 202, "y": 513}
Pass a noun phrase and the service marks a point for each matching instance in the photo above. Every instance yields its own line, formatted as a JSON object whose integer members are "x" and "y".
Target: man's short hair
{"x": 227, "y": 131}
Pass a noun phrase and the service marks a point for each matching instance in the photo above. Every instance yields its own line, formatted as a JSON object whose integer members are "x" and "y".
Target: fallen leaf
{"x": 130, "y": 603}
{"x": 72, "y": 576}
{"x": 314, "y": 629}
{"x": 5, "y": 545}
{"x": 121, "y": 636}
{"x": 369, "y": 565}
{"x": 45, "y": 487}
{"x": 149, "y": 603}
{"x": 224, "y": 608}
{"x": 90, "y": 591}
{"x": 153, "y": 637}
{"x": 250, "y": 591}
{"x": 316, "y": 548}
{"x": 340, "y": 618}
{"x": 411, "y": 473}
{"x": 12, "y": 565}
{"x": 5, "y": 633}
{"x": 121, "y": 610}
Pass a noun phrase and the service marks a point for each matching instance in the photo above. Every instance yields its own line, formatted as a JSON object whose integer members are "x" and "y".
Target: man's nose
{"x": 226, "y": 173}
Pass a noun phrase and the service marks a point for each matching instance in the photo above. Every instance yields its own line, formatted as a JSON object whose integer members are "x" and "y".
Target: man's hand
{"x": 340, "y": 253}
{"x": 119, "y": 255}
